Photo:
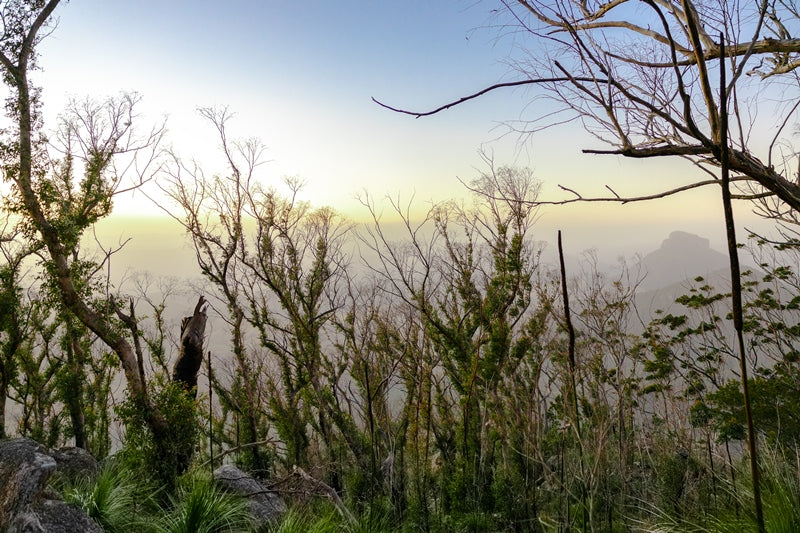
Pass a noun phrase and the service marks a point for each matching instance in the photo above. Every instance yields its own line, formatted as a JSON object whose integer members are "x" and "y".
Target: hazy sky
{"x": 299, "y": 75}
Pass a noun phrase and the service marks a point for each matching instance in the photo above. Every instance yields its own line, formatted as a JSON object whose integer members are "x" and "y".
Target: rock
{"x": 75, "y": 464}
{"x": 26, "y": 505}
{"x": 51, "y": 516}
{"x": 266, "y": 506}
{"x": 25, "y": 467}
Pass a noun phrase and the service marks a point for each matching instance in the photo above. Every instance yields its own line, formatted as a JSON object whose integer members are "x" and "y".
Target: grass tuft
{"x": 116, "y": 499}
{"x": 202, "y": 507}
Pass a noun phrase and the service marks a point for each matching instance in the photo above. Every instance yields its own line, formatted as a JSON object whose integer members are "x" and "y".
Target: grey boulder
{"x": 266, "y": 506}
{"x": 75, "y": 464}
{"x": 25, "y": 503}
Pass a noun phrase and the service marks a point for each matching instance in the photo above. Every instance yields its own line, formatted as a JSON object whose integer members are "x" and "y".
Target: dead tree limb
{"x": 736, "y": 297}
{"x": 631, "y": 199}
{"x": 463, "y": 99}
{"x": 328, "y": 491}
{"x": 191, "y": 354}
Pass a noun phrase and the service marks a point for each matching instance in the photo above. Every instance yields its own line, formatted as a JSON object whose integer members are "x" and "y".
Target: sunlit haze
{"x": 300, "y": 77}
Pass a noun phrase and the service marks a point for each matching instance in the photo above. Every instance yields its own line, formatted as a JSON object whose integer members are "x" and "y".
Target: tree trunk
{"x": 74, "y": 397}
{"x": 3, "y": 393}
{"x": 186, "y": 368}
{"x": 190, "y": 358}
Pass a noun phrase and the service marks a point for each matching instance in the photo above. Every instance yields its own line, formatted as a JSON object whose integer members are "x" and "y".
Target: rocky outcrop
{"x": 266, "y": 506}
{"x": 25, "y": 503}
{"x": 682, "y": 256}
{"x": 53, "y": 516}
{"x": 75, "y": 464}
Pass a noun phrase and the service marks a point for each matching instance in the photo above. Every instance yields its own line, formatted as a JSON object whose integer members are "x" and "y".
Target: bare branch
{"x": 631, "y": 199}
{"x": 419, "y": 114}
{"x": 653, "y": 151}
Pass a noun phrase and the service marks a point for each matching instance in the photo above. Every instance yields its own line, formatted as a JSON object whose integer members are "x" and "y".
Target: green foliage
{"x": 472, "y": 522}
{"x": 119, "y": 499}
{"x": 12, "y": 330}
{"x": 377, "y": 518}
{"x": 309, "y": 520}
{"x": 161, "y": 460}
{"x": 321, "y": 517}
{"x": 677, "y": 474}
{"x": 200, "y": 506}
{"x": 436, "y": 397}
{"x": 776, "y": 413}
{"x": 781, "y": 497}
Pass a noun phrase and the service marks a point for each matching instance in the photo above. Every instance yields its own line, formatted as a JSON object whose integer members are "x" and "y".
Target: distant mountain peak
{"x": 682, "y": 256}
{"x": 683, "y": 240}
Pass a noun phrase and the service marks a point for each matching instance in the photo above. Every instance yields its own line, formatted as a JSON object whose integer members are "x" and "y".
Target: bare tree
{"x": 637, "y": 75}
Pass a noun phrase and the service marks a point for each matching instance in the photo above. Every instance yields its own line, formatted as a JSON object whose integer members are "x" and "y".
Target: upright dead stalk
{"x": 736, "y": 287}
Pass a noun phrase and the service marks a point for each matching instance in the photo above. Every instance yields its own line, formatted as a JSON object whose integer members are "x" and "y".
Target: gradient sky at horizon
{"x": 299, "y": 76}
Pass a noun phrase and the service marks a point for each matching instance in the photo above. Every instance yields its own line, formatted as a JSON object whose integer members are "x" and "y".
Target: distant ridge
{"x": 682, "y": 256}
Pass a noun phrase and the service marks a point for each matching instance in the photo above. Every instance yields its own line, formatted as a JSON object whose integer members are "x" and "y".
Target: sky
{"x": 300, "y": 77}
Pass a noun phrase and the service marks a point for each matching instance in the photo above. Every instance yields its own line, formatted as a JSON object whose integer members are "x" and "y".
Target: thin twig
{"x": 463, "y": 99}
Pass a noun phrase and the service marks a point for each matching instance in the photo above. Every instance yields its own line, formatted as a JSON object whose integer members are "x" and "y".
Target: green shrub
{"x": 117, "y": 499}
{"x": 780, "y": 491}
{"x": 200, "y": 506}
{"x": 165, "y": 461}
{"x": 309, "y": 520}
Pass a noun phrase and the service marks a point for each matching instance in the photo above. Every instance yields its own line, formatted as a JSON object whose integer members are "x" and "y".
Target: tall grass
{"x": 309, "y": 521}
{"x": 781, "y": 499}
{"x": 200, "y": 506}
{"x": 116, "y": 499}
{"x": 325, "y": 519}
{"x": 121, "y": 502}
